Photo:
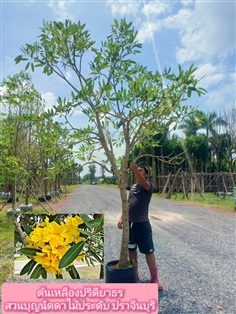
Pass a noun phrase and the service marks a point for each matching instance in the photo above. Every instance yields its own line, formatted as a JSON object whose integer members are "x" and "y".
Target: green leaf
{"x": 28, "y": 267}
{"x": 29, "y": 251}
{"x": 18, "y": 59}
{"x": 44, "y": 274}
{"x": 86, "y": 220}
{"x": 27, "y": 66}
{"x": 73, "y": 272}
{"x": 71, "y": 254}
{"x": 95, "y": 223}
{"x": 102, "y": 221}
{"x": 86, "y": 233}
{"x": 17, "y": 237}
{"x": 37, "y": 272}
{"x": 26, "y": 228}
{"x": 96, "y": 256}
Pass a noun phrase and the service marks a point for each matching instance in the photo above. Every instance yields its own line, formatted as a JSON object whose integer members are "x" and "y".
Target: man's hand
{"x": 133, "y": 166}
{"x": 140, "y": 176}
{"x": 120, "y": 223}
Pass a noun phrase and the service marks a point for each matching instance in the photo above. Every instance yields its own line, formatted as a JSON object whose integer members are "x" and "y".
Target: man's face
{"x": 142, "y": 171}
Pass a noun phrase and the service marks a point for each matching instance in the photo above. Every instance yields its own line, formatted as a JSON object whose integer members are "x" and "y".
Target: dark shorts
{"x": 140, "y": 235}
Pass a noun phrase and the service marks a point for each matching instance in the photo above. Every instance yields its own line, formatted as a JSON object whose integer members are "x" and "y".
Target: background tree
{"x": 124, "y": 102}
{"x": 21, "y": 106}
{"x": 35, "y": 151}
{"x": 92, "y": 169}
{"x": 229, "y": 116}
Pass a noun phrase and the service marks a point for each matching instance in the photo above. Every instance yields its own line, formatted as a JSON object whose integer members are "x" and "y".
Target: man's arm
{"x": 139, "y": 177}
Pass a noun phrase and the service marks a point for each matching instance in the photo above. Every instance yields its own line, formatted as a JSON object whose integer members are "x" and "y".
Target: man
{"x": 140, "y": 227}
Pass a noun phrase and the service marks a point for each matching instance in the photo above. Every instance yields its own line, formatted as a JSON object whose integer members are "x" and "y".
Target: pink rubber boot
{"x": 154, "y": 277}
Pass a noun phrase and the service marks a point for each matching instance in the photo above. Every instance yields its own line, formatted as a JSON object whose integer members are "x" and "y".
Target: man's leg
{"x": 151, "y": 261}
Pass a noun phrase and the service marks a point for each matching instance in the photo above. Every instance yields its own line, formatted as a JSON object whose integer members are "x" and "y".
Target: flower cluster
{"x": 53, "y": 239}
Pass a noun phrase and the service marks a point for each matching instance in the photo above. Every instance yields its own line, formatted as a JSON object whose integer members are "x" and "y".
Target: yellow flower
{"x": 43, "y": 223}
{"x": 54, "y": 241}
{"x": 60, "y": 250}
{"x": 36, "y": 238}
{"x": 80, "y": 257}
{"x": 73, "y": 233}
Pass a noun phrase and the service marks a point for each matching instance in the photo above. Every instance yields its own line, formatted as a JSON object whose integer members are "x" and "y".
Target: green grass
{"x": 7, "y": 246}
{"x": 210, "y": 200}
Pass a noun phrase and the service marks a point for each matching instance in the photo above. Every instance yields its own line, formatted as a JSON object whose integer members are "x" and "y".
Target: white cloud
{"x": 147, "y": 31}
{"x": 121, "y": 7}
{"x": 155, "y": 8}
{"x": 151, "y": 23}
{"x": 220, "y": 98}
{"x": 211, "y": 74}
{"x": 68, "y": 75}
{"x": 186, "y": 3}
{"x": 60, "y": 9}
{"x": 50, "y": 99}
{"x": 207, "y": 31}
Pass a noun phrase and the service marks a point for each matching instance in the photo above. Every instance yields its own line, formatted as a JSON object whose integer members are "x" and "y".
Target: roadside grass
{"x": 210, "y": 200}
{"x": 7, "y": 246}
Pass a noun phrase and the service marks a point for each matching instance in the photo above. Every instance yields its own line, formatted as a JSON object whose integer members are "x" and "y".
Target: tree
{"x": 193, "y": 123}
{"x": 34, "y": 149}
{"x": 229, "y": 115}
{"x": 21, "y": 106}
{"x": 124, "y": 102}
{"x": 92, "y": 170}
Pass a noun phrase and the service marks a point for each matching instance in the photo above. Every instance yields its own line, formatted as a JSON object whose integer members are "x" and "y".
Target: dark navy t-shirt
{"x": 139, "y": 200}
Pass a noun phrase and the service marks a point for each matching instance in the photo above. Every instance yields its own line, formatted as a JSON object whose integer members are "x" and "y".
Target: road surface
{"x": 195, "y": 249}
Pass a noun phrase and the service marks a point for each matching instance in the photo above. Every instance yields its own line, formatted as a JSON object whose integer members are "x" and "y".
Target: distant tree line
{"x": 208, "y": 144}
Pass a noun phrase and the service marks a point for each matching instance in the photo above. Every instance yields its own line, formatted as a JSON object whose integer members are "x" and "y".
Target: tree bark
{"x": 124, "y": 256}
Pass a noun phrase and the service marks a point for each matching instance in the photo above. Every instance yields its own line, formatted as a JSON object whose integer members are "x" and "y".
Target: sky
{"x": 172, "y": 33}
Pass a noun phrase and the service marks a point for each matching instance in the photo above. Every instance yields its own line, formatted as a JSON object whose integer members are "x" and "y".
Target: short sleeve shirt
{"x": 139, "y": 200}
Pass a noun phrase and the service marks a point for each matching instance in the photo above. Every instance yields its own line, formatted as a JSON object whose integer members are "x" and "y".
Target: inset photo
{"x": 59, "y": 246}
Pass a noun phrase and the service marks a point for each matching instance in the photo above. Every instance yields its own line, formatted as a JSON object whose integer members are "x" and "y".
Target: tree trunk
{"x": 171, "y": 190}
{"x": 183, "y": 183}
{"x": 193, "y": 185}
{"x": 27, "y": 192}
{"x": 166, "y": 185}
{"x": 13, "y": 197}
{"x": 154, "y": 171}
{"x": 124, "y": 257}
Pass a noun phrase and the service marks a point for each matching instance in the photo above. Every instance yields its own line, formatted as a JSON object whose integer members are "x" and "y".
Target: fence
{"x": 221, "y": 183}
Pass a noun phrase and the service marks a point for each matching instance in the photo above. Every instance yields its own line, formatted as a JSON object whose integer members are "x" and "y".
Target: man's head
{"x": 143, "y": 170}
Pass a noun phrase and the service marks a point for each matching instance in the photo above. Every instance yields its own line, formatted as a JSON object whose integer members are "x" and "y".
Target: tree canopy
{"x": 124, "y": 102}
